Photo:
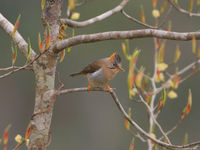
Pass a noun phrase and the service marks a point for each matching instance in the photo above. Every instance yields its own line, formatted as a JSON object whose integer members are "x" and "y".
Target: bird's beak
{"x": 120, "y": 68}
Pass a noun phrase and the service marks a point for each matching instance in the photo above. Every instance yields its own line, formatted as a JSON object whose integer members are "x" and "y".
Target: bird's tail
{"x": 75, "y": 74}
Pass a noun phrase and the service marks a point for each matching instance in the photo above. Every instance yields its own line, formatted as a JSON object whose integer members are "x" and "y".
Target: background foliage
{"x": 91, "y": 120}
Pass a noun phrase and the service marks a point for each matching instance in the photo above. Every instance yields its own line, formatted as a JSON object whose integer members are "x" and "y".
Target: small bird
{"x": 102, "y": 71}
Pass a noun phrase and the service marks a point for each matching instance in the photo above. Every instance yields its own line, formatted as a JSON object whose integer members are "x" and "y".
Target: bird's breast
{"x": 97, "y": 77}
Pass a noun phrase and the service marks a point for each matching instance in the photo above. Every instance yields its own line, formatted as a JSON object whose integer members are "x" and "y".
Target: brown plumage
{"x": 96, "y": 65}
{"x": 102, "y": 71}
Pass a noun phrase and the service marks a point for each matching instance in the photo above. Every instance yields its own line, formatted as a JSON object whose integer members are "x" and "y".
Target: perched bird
{"x": 102, "y": 71}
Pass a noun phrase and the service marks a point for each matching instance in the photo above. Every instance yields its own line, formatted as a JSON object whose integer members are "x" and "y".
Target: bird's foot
{"x": 108, "y": 88}
{"x": 89, "y": 87}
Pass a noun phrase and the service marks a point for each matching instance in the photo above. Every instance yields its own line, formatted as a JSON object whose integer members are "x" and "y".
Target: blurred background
{"x": 92, "y": 120}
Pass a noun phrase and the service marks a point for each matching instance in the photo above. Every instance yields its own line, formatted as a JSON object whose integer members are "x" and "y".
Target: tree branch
{"x": 182, "y": 71}
{"x": 15, "y": 69}
{"x": 116, "y": 35}
{"x": 137, "y": 21}
{"x": 81, "y": 3}
{"x": 132, "y": 122}
{"x": 76, "y": 24}
{"x": 154, "y": 119}
{"x": 18, "y": 39}
{"x": 178, "y": 8}
{"x": 165, "y": 17}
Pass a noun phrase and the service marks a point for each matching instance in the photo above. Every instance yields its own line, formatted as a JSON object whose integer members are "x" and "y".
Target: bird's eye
{"x": 114, "y": 65}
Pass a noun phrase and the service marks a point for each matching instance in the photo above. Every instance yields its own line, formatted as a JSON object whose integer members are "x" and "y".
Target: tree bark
{"x": 45, "y": 69}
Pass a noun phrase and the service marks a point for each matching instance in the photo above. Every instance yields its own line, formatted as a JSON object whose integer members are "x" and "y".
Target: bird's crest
{"x": 112, "y": 57}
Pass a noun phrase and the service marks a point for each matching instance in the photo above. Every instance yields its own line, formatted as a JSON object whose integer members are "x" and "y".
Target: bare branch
{"x": 182, "y": 71}
{"x": 172, "y": 129}
{"x": 15, "y": 69}
{"x": 165, "y": 17}
{"x": 19, "y": 145}
{"x": 18, "y": 39}
{"x": 178, "y": 8}
{"x": 116, "y": 35}
{"x": 154, "y": 119}
{"x": 137, "y": 21}
{"x": 81, "y": 3}
{"x": 132, "y": 122}
{"x": 151, "y": 119}
{"x": 101, "y": 17}
{"x": 137, "y": 135}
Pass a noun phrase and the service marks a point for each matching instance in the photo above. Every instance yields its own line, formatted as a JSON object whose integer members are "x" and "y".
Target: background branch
{"x": 132, "y": 122}
{"x": 137, "y": 21}
{"x": 182, "y": 71}
{"x": 178, "y": 8}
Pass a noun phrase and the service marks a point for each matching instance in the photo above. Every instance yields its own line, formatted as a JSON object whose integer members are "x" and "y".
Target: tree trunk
{"x": 45, "y": 69}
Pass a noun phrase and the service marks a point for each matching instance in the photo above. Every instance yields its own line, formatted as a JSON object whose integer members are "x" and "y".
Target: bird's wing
{"x": 93, "y": 66}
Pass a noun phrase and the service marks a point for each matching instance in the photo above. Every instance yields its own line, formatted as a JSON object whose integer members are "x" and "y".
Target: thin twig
{"x": 23, "y": 67}
{"x": 166, "y": 17}
{"x": 13, "y": 67}
{"x": 8, "y": 68}
{"x": 185, "y": 69}
{"x": 137, "y": 21}
{"x": 137, "y": 135}
{"x": 19, "y": 145}
{"x": 172, "y": 129}
{"x": 81, "y": 3}
{"x": 188, "y": 76}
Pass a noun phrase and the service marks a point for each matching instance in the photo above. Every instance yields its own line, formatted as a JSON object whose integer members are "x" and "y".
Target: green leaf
{"x": 43, "y": 4}
{"x": 29, "y": 49}
{"x": 185, "y": 141}
{"x": 193, "y": 44}
{"x": 177, "y": 54}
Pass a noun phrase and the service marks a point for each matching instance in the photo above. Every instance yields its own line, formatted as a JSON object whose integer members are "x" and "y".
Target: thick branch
{"x": 126, "y": 116}
{"x": 18, "y": 39}
{"x": 76, "y": 24}
{"x": 115, "y": 35}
